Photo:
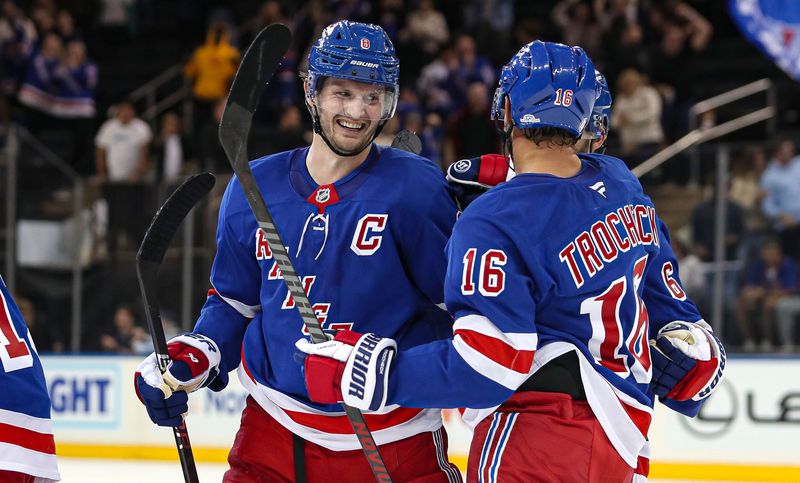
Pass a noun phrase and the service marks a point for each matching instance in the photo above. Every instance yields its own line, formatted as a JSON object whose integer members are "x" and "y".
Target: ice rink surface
{"x": 80, "y": 470}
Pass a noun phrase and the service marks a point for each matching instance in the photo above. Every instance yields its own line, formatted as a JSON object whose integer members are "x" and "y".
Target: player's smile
{"x": 351, "y": 125}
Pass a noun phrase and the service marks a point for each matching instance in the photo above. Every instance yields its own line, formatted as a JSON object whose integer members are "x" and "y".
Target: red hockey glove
{"x": 469, "y": 178}
{"x": 195, "y": 364}
{"x": 352, "y": 368}
{"x": 688, "y": 361}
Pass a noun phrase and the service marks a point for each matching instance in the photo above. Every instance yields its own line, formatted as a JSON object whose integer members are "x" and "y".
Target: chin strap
{"x": 318, "y": 129}
{"x": 508, "y": 148}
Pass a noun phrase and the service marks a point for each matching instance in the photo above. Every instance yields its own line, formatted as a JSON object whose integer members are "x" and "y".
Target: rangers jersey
{"x": 26, "y": 433}
{"x": 370, "y": 251}
{"x": 546, "y": 265}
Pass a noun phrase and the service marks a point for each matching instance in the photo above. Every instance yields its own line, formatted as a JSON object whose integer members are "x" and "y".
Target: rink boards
{"x": 749, "y": 431}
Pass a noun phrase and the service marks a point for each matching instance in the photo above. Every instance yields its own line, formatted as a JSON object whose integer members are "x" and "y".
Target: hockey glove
{"x": 470, "y": 178}
{"x": 352, "y": 368}
{"x": 195, "y": 361}
{"x": 688, "y": 361}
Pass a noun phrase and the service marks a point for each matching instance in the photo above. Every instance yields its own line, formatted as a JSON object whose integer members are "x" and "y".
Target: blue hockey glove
{"x": 688, "y": 361}
{"x": 352, "y": 368}
{"x": 195, "y": 364}
{"x": 469, "y": 178}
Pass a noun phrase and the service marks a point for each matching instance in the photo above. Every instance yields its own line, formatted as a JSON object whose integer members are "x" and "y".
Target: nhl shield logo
{"x": 364, "y": 43}
{"x": 323, "y": 195}
{"x": 462, "y": 166}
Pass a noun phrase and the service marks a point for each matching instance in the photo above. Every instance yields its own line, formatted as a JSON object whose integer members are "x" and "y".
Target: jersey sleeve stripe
{"x": 487, "y": 367}
{"x": 526, "y": 341}
{"x": 248, "y": 311}
{"x": 32, "y": 423}
{"x": 41, "y": 442}
{"x": 498, "y": 351}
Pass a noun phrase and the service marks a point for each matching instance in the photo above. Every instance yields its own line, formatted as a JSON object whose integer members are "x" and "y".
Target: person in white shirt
{"x": 121, "y": 158}
{"x": 121, "y": 146}
{"x": 637, "y": 114}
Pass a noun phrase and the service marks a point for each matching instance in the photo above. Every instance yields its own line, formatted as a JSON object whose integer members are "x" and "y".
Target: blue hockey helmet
{"x": 548, "y": 85}
{"x": 601, "y": 113}
{"x": 359, "y": 52}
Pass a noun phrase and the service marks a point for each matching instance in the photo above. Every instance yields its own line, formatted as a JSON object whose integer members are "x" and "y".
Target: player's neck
{"x": 327, "y": 167}
{"x": 558, "y": 161}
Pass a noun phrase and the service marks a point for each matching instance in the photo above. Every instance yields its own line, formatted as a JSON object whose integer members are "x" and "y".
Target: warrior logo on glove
{"x": 688, "y": 361}
{"x": 358, "y": 362}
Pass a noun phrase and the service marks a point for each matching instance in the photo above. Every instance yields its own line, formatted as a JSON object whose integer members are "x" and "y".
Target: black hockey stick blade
{"x": 407, "y": 141}
{"x": 151, "y": 252}
{"x": 166, "y": 221}
{"x": 259, "y": 63}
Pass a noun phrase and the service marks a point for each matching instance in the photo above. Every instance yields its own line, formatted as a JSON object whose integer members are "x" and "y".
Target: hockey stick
{"x": 407, "y": 141}
{"x": 148, "y": 259}
{"x": 258, "y": 64}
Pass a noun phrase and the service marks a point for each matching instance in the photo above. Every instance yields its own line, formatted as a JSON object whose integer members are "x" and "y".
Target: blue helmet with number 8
{"x": 548, "y": 85}
{"x": 359, "y": 52}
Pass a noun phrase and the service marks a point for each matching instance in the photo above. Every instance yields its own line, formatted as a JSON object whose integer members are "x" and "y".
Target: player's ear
{"x": 598, "y": 143}
{"x": 507, "y": 113}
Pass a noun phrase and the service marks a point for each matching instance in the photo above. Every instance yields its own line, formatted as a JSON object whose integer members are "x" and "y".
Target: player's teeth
{"x": 351, "y": 125}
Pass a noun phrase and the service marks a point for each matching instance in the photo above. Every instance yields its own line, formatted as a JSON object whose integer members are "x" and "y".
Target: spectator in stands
{"x": 425, "y": 32}
{"x": 636, "y": 116}
{"x": 685, "y": 34}
{"x": 578, "y": 26}
{"x": 125, "y": 332}
{"x": 48, "y": 337}
{"x": 781, "y": 204}
{"x": 75, "y": 80}
{"x": 38, "y": 87}
{"x": 625, "y": 49}
{"x": 65, "y": 26}
{"x": 121, "y": 156}
{"x": 471, "y": 132}
{"x": 171, "y": 152}
{"x": 122, "y": 145}
{"x": 471, "y": 68}
{"x": 211, "y": 69}
{"x": 434, "y": 83}
{"x": 44, "y": 17}
{"x": 17, "y": 39}
{"x": 771, "y": 278}
{"x": 746, "y": 172}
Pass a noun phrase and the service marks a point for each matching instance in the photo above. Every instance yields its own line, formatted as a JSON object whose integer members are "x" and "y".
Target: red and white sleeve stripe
{"x": 504, "y": 357}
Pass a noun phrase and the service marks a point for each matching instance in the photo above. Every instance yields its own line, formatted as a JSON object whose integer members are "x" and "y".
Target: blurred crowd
{"x": 450, "y": 54}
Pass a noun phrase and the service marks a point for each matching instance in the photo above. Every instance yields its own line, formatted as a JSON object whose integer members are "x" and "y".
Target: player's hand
{"x": 688, "y": 361}
{"x": 469, "y": 178}
{"x": 352, "y": 368}
{"x": 195, "y": 363}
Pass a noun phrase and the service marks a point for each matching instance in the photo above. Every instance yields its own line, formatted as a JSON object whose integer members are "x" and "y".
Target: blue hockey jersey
{"x": 26, "y": 434}
{"x": 370, "y": 251}
{"x": 545, "y": 265}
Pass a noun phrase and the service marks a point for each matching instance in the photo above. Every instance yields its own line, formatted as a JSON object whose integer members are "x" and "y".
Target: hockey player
{"x": 366, "y": 227}
{"x": 469, "y": 178}
{"x": 557, "y": 280}
{"x": 27, "y": 448}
